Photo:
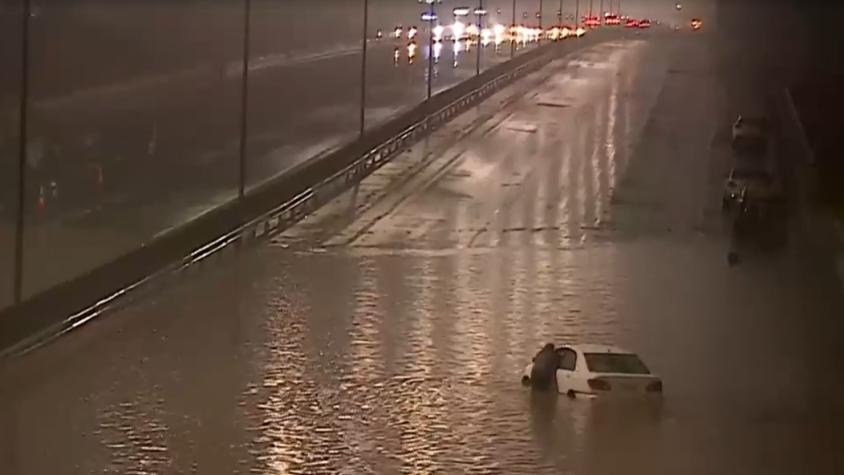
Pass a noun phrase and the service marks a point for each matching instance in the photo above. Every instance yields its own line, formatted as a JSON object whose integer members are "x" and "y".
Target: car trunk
{"x": 625, "y": 384}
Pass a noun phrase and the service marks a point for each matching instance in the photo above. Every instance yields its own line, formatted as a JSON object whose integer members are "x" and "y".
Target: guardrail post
{"x": 244, "y": 96}
{"x": 22, "y": 149}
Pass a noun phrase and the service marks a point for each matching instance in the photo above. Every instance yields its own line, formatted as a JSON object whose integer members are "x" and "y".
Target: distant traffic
{"x": 465, "y": 36}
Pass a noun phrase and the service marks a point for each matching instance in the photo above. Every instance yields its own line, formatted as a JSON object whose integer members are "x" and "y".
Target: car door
{"x": 580, "y": 376}
{"x": 566, "y": 370}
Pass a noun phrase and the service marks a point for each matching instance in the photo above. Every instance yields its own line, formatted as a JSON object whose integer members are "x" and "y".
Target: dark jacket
{"x": 543, "y": 375}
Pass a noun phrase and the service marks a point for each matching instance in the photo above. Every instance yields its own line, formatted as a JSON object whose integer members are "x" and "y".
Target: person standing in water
{"x": 543, "y": 375}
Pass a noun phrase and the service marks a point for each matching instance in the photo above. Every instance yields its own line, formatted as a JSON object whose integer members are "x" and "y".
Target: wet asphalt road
{"x": 147, "y": 133}
{"x": 387, "y": 332}
{"x": 194, "y": 165}
{"x": 166, "y": 148}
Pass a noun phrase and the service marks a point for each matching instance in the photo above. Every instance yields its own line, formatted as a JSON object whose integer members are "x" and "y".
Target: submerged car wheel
{"x": 525, "y": 381}
{"x": 571, "y": 394}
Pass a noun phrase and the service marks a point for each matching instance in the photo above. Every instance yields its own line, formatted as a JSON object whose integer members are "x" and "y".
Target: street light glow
{"x": 438, "y": 32}
{"x": 458, "y": 29}
{"x": 486, "y": 36}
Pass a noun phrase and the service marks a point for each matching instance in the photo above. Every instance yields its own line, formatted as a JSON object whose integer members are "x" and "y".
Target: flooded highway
{"x": 387, "y": 332}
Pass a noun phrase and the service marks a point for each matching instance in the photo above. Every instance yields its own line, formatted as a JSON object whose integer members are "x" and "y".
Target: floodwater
{"x": 387, "y": 333}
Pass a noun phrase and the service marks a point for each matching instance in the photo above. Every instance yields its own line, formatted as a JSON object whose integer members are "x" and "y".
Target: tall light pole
{"x": 512, "y": 26}
{"x": 540, "y": 21}
{"x": 244, "y": 96}
{"x": 560, "y": 16}
{"x": 22, "y": 145}
{"x": 576, "y": 15}
{"x": 432, "y": 17}
{"x": 601, "y": 13}
{"x": 363, "y": 67}
{"x": 479, "y": 13}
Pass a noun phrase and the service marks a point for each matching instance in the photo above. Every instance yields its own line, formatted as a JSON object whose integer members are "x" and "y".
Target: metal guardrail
{"x": 279, "y": 219}
{"x": 285, "y": 215}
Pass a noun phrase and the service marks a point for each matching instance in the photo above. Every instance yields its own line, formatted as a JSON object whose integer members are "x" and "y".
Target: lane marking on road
{"x": 560, "y": 105}
{"x": 518, "y": 126}
{"x": 354, "y": 222}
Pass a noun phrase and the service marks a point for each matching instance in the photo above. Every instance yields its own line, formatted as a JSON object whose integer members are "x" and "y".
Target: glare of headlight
{"x": 396, "y": 55}
{"x": 398, "y": 31}
{"x": 458, "y": 29}
{"x": 580, "y": 31}
{"x": 499, "y": 30}
{"x": 438, "y": 32}
{"x": 411, "y": 51}
{"x": 472, "y": 30}
{"x": 438, "y": 48}
{"x": 486, "y": 36}
{"x": 458, "y": 45}
{"x": 411, "y": 33}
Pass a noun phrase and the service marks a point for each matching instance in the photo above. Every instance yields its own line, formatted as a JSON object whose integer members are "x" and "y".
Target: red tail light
{"x": 599, "y": 385}
{"x": 655, "y": 387}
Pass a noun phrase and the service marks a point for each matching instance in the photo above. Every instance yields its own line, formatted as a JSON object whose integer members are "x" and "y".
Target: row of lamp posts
{"x": 431, "y": 17}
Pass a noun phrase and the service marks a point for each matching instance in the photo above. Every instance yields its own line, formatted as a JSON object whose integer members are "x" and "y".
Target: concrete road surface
{"x": 387, "y": 332}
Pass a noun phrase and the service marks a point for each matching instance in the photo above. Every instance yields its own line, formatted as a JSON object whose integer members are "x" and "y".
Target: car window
{"x": 615, "y": 363}
{"x": 568, "y": 359}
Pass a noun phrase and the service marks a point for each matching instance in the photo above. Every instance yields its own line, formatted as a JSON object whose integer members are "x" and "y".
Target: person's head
{"x": 549, "y": 346}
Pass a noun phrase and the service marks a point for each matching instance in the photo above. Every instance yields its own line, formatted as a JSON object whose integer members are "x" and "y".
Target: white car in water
{"x": 593, "y": 370}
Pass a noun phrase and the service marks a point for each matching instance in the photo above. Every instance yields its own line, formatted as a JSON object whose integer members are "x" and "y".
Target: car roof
{"x": 597, "y": 348}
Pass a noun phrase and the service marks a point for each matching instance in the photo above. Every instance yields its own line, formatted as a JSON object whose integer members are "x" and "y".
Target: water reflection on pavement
{"x": 398, "y": 348}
